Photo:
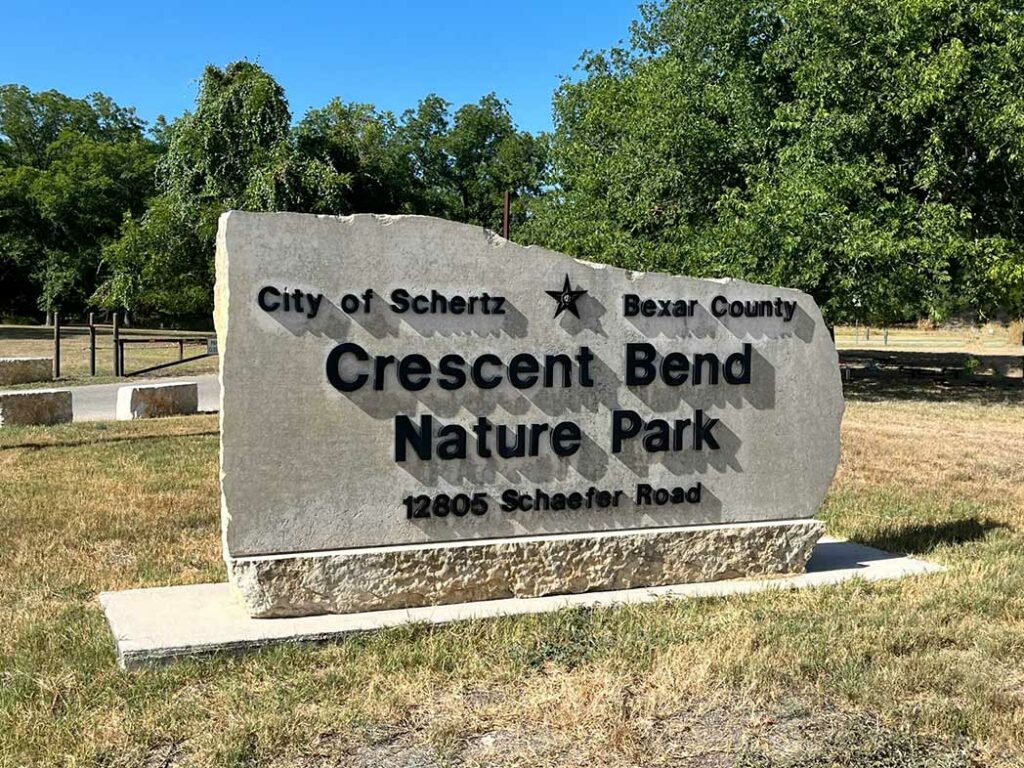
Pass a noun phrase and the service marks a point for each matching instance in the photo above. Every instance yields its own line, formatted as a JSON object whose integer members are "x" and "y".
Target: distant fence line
{"x": 985, "y": 336}
{"x": 863, "y": 350}
{"x": 118, "y": 342}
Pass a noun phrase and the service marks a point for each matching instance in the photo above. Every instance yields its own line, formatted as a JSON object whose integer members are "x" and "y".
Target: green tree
{"x": 216, "y": 159}
{"x": 340, "y": 159}
{"x": 239, "y": 150}
{"x": 869, "y": 153}
{"x": 464, "y": 162}
{"x": 70, "y": 171}
{"x": 215, "y": 153}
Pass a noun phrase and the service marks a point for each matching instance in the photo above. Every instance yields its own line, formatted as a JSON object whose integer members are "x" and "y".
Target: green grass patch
{"x": 927, "y": 671}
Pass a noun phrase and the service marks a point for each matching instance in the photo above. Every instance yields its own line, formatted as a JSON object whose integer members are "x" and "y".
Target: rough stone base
{"x": 22, "y": 370}
{"x": 35, "y": 407}
{"x": 151, "y": 401}
{"x": 350, "y": 581}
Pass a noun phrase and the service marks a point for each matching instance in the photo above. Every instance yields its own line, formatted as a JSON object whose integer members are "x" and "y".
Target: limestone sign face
{"x": 418, "y": 411}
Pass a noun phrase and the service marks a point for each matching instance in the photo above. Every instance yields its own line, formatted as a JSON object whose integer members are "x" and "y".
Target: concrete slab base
{"x": 157, "y": 625}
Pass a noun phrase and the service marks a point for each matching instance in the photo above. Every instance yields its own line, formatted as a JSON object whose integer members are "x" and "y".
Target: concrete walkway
{"x": 98, "y": 402}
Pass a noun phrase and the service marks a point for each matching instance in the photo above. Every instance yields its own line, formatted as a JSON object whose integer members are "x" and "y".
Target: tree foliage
{"x": 95, "y": 212}
{"x": 70, "y": 169}
{"x": 870, "y": 153}
{"x": 214, "y": 159}
{"x": 240, "y": 150}
{"x": 464, "y": 163}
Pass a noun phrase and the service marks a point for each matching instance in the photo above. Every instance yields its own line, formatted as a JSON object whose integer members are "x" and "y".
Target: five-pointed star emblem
{"x": 566, "y": 298}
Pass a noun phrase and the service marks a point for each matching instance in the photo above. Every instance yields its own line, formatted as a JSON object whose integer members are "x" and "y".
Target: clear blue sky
{"x": 390, "y": 53}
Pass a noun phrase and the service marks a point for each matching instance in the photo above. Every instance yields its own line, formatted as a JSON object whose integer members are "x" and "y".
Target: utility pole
{"x": 506, "y": 209}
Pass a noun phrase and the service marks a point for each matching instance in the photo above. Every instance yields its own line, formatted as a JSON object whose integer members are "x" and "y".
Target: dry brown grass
{"x": 950, "y": 451}
{"x": 928, "y": 671}
{"x": 991, "y": 339}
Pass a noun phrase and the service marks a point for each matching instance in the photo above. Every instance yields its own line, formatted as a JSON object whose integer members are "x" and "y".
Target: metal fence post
{"x": 117, "y": 343}
{"x": 56, "y": 345}
{"x": 92, "y": 344}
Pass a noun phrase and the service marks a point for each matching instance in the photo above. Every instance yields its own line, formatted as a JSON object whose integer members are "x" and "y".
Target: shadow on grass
{"x": 36, "y": 446}
{"x": 985, "y": 392}
{"x": 924, "y": 538}
{"x": 852, "y": 740}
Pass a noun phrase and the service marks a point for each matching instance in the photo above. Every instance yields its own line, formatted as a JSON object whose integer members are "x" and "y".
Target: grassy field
{"x": 37, "y": 341}
{"x": 928, "y": 671}
{"x": 987, "y": 340}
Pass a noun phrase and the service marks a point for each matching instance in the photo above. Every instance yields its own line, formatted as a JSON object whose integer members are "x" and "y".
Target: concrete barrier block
{"x": 22, "y": 370}
{"x": 150, "y": 401}
{"x": 35, "y": 407}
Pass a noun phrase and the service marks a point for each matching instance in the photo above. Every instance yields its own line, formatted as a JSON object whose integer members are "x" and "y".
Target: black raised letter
{"x": 420, "y": 440}
{"x": 743, "y": 358}
{"x": 625, "y": 424}
{"x": 566, "y": 438}
{"x": 334, "y": 367}
{"x": 640, "y": 368}
{"x": 261, "y": 299}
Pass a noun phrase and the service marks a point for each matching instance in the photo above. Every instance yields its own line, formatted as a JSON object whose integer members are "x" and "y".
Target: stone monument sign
{"x": 419, "y": 412}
